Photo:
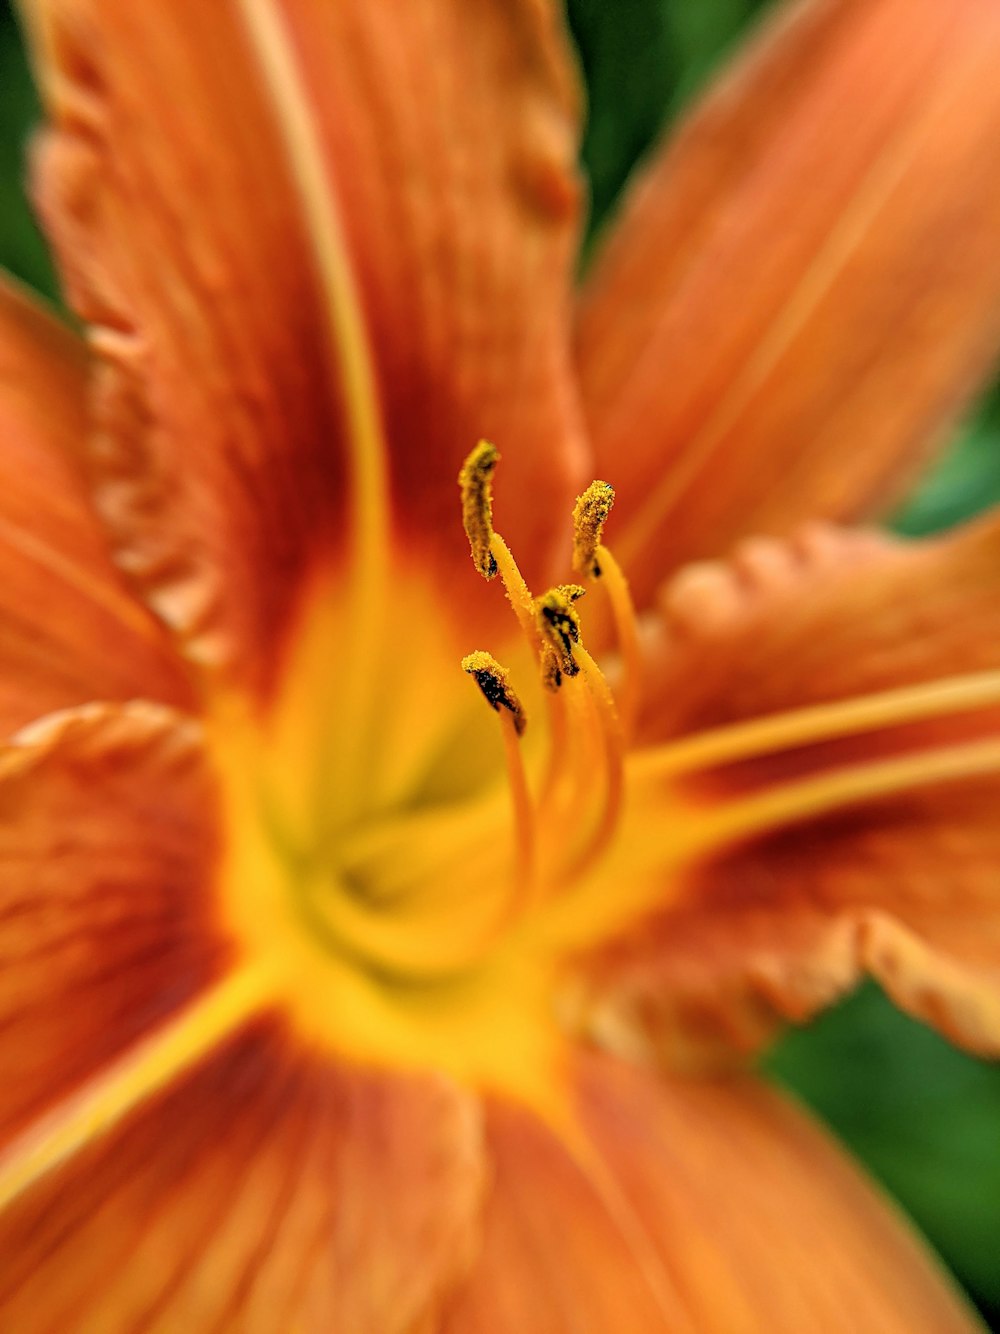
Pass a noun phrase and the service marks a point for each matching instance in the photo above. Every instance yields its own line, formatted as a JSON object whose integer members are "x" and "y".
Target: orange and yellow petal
{"x": 170, "y": 1150}
{"x": 826, "y": 805}
{"x": 218, "y": 445}
{"x": 804, "y": 287}
{"x": 107, "y": 845}
{"x": 451, "y": 130}
{"x": 312, "y": 282}
{"x": 694, "y": 1207}
{"x": 262, "y": 1189}
{"x": 827, "y": 615}
{"x": 70, "y": 631}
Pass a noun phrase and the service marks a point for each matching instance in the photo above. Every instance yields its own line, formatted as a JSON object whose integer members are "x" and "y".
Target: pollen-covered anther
{"x": 494, "y": 681}
{"x": 590, "y": 514}
{"x": 476, "y": 482}
{"x": 559, "y": 628}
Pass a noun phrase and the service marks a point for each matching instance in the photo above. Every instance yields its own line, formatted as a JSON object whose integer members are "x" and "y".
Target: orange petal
{"x": 106, "y": 849}
{"x": 856, "y": 834}
{"x": 452, "y": 132}
{"x": 69, "y": 629}
{"x": 263, "y": 1190}
{"x": 326, "y": 247}
{"x": 693, "y": 1207}
{"x": 800, "y": 295}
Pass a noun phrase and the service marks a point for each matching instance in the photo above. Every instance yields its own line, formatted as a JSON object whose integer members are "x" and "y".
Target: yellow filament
{"x": 524, "y": 819}
{"x": 518, "y": 593}
{"x": 581, "y": 760}
{"x": 623, "y": 612}
{"x": 555, "y": 764}
{"x": 823, "y": 722}
{"x": 102, "y": 1103}
{"x": 494, "y": 682}
{"x": 612, "y": 754}
{"x": 807, "y": 798}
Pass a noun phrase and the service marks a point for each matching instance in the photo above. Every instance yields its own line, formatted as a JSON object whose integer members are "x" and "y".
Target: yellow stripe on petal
{"x": 823, "y": 722}
{"x": 791, "y": 803}
{"x": 130, "y": 1082}
{"x": 350, "y": 353}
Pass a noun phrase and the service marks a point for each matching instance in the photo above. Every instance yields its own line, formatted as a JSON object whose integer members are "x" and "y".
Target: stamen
{"x": 494, "y": 681}
{"x": 612, "y": 750}
{"x": 590, "y": 514}
{"x": 592, "y": 558}
{"x": 626, "y": 627}
{"x": 518, "y": 592}
{"x": 559, "y": 626}
{"x": 589, "y": 718}
{"x": 476, "y": 482}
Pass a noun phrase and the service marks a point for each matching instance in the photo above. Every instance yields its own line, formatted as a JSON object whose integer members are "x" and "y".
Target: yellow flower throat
{"x": 421, "y": 917}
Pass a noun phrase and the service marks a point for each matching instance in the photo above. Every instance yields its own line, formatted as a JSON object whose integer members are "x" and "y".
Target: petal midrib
{"x": 351, "y": 356}
{"x": 130, "y": 1082}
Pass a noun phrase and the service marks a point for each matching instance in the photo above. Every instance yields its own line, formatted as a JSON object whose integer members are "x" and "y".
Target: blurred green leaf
{"x": 642, "y": 60}
{"x": 22, "y": 249}
{"x": 966, "y": 481}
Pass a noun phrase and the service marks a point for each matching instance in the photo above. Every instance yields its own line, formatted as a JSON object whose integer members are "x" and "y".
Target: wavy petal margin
{"x": 826, "y": 806}
{"x": 72, "y": 631}
{"x": 311, "y": 283}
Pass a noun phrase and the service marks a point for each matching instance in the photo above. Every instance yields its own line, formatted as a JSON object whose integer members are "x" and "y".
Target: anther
{"x": 494, "y": 681}
{"x": 559, "y": 627}
{"x": 476, "y": 482}
{"x": 592, "y": 558}
{"x": 590, "y": 514}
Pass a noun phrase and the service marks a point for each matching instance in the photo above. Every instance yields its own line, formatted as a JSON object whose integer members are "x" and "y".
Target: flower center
{"x": 405, "y": 922}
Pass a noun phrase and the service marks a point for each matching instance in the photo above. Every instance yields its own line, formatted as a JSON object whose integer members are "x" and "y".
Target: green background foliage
{"x": 922, "y": 1116}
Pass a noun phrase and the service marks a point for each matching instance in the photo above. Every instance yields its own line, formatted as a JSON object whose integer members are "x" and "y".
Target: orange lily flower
{"x": 333, "y": 998}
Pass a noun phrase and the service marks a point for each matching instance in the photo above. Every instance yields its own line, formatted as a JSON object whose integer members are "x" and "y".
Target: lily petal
{"x": 71, "y": 630}
{"x": 325, "y": 249}
{"x": 156, "y": 1107}
{"x": 804, "y": 287}
{"x": 262, "y": 1190}
{"x": 106, "y": 846}
{"x": 452, "y": 129}
{"x": 848, "y": 824}
{"x": 623, "y": 1224}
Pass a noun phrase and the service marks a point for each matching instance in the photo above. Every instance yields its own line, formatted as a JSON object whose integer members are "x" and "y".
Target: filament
{"x": 612, "y": 577}
{"x": 525, "y": 840}
{"x": 518, "y": 593}
{"x": 612, "y": 755}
